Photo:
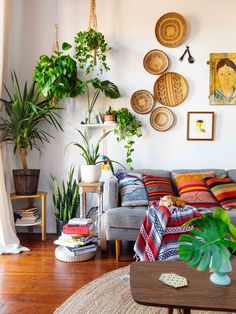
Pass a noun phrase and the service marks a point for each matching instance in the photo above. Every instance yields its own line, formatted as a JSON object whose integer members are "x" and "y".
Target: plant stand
{"x": 96, "y": 187}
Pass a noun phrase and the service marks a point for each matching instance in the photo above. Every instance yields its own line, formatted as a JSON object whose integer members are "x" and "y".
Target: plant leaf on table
{"x": 208, "y": 245}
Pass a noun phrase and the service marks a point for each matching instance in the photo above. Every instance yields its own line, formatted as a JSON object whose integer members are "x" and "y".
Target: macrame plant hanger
{"x": 93, "y": 24}
{"x": 56, "y": 43}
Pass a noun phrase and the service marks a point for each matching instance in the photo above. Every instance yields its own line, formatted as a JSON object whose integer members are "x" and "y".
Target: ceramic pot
{"x": 90, "y": 173}
{"x": 220, "y": 277}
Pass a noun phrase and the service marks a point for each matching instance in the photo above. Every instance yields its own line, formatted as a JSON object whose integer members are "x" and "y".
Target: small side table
{"x": 42, "y": 197}
{"x": 96, "y": 187}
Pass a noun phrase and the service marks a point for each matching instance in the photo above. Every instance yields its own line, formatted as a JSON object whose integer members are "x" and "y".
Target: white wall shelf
{"x": 97, "y": 125}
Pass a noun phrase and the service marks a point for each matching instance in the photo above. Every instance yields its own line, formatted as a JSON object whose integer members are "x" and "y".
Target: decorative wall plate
{"x": 161, "y": 119}
{"x": 170, "y": 89}
{"x": 156, "y": 61}
{"x": 142, "y": 101}
{"x": 171, "y": 29}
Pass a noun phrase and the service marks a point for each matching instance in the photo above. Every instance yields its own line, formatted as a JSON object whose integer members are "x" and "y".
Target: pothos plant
{"x": 56, "y": 76}
{"x": 127, "y": 127}
{"x": 90, "y": 46}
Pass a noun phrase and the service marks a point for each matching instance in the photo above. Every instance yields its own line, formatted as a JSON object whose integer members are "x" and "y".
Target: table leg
{"x": 43, "y": 217}
{"x": 187, "y": 311}
{"x": 170, "y": 310}
{"x": 100, "y": 207}
{"x": 81, "y": 205}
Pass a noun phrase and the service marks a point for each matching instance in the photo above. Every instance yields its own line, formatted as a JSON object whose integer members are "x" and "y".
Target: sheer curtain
{"x": 9, "y": 242}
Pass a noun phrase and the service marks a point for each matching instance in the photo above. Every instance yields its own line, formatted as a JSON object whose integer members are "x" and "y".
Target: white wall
{"x": 129, "y": 27}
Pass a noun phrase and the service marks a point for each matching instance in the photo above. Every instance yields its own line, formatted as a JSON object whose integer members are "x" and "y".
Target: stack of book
{"x": 77, "y": 237}
{"x": 27, "y": 216}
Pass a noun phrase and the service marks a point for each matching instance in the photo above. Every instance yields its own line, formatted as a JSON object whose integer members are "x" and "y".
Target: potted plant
{"x": 56, "y": 76}
{"x": 106, "y": 87}
{"x": 90, "y": 46}
{"x": 65, "y": 200}
{"x": 209, "y": 244}
{"x": 91, "y": 172}
{"x": 127, "y": 127}
{"x": 110, "y": 116}
{"x": 25, "y": 112}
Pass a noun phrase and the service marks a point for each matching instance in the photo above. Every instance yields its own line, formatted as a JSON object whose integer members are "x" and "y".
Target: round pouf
{"x": 63, "y": 255}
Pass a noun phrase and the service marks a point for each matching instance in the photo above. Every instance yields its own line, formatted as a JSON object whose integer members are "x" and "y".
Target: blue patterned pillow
{"x": 132, "y": 189}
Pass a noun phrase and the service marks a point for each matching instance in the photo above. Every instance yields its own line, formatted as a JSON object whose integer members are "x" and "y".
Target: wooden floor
{"x": 36, "y": 282}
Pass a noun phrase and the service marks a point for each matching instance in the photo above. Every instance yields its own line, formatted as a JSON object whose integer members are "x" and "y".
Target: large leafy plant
{"x": 127, "y": 127}
{"x": 25, "y": 115}
{"x": 209, "y": 243}
{"x": 90, "y": 152}
{"x": 90, "y": 46}
{"x": 66, "y": 197}
{"x": 106, "y": 87}
{"x": 56, "y": 76}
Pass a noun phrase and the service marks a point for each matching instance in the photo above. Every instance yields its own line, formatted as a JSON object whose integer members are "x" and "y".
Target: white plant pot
{"x": 90, "y": 173}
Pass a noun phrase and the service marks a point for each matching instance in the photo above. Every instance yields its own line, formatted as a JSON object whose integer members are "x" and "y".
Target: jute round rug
{"x": 110, "y": 294}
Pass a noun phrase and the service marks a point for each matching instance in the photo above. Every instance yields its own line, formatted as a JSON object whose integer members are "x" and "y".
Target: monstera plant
{"x": 211, "y": 242}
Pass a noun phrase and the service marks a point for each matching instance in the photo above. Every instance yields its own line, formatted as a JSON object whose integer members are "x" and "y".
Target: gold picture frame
{"x": 200, "y": 125}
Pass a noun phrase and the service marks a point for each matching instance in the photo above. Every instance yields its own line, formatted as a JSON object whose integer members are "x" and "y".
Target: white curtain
{"x": 9, "y": 242}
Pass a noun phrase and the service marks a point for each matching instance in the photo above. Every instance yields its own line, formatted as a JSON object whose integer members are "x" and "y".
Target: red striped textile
{"x": 157, "y": 187}
{"x": 224, "y": 190}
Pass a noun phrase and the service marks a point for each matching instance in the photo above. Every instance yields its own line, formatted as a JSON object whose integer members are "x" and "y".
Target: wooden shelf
{"x": 38, "y": 222}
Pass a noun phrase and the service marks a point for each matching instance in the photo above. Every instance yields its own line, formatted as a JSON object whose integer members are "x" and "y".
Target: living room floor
{"x": 36, "y": 282}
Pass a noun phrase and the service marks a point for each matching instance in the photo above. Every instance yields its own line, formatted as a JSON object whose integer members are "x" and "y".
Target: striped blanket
{"x": 159, "y": 233}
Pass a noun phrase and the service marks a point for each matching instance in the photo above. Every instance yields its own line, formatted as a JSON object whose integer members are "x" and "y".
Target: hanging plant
{"x": 57, "y": 76}
{"x": 91, "y": 46}
{"x": 127, "y": 126}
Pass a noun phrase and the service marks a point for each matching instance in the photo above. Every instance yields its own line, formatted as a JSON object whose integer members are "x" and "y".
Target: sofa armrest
{"x": 113, "y": 193}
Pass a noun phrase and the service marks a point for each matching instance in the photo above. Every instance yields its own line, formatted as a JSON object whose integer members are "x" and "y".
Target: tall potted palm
{"x": 22, "y": 126}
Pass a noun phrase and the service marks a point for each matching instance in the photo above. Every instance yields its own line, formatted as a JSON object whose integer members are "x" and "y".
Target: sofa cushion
{"x": 157, "y": 187}
{"x": 224, "y": 190}
{"x": 132, "y": 189}
{"x": 125, "y": 217}
{"x": 217, "y": 172}
{"x": 193, "y": 189}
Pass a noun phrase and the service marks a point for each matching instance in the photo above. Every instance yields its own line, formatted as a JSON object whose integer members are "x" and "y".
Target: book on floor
{"x": 80, "y": 248}
{"x": 75, "y": 229}
{"x": 80, "y": 252}
{"x": 80, "y": 221}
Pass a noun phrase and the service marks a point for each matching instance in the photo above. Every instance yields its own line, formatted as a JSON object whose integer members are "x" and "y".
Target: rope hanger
{"x": 92, "y": 15}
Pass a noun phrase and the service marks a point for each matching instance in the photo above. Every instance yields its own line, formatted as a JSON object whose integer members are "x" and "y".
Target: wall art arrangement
{"x": 200, "y": 125}
{"x": 170, "y": 88}
{"x": 222, "y": 79}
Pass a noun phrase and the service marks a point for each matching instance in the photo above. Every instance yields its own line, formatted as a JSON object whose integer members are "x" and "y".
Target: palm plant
{"x": 208, "y": 246}
{"x": 66, "y": 198}
{"x": 25, "y": 113}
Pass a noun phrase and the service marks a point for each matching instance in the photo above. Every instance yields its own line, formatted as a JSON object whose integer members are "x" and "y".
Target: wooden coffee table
{"x": 200, "y": 294}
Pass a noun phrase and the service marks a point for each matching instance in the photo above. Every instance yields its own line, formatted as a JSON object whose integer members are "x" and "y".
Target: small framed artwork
{"x": 200, "y": 126}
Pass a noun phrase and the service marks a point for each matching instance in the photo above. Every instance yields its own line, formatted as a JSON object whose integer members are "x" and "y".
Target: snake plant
{"x": 209, "y": 243}
{"x": 66, "y": 197}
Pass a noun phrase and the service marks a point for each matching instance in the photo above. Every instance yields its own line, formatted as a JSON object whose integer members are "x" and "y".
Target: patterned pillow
{"x": 193, "y": 189}
{"x": 224, "y": 190}
{"x": 132, "y": 189}
{"x": 157, "y": 187}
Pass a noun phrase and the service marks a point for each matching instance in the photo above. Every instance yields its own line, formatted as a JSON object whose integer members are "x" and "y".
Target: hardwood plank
{"x": 36, "y": 282}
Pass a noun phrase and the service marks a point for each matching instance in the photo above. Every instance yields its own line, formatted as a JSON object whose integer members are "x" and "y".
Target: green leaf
{"x": 66, "y": 46}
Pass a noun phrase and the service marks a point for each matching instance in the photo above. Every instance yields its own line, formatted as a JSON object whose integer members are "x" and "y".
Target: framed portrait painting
{"x": 200, "y": 126}
{"x": 222, "y": 78}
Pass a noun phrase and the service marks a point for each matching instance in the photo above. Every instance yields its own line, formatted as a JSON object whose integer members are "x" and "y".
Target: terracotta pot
{"x": 109, "y": 118}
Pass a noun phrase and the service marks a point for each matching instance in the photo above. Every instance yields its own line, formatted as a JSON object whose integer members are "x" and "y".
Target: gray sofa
{"x": 123, "y": 223}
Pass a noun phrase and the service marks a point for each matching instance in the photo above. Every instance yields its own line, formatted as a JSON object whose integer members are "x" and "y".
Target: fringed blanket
{"x": 159, "y": 233}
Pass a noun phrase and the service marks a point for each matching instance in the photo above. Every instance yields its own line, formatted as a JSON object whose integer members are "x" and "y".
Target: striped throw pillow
{"x": 193, "y": 189}
{"x": 132, "y": 189}
{"x": 224, "y": 190}
{"x": 157, "y": 187}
